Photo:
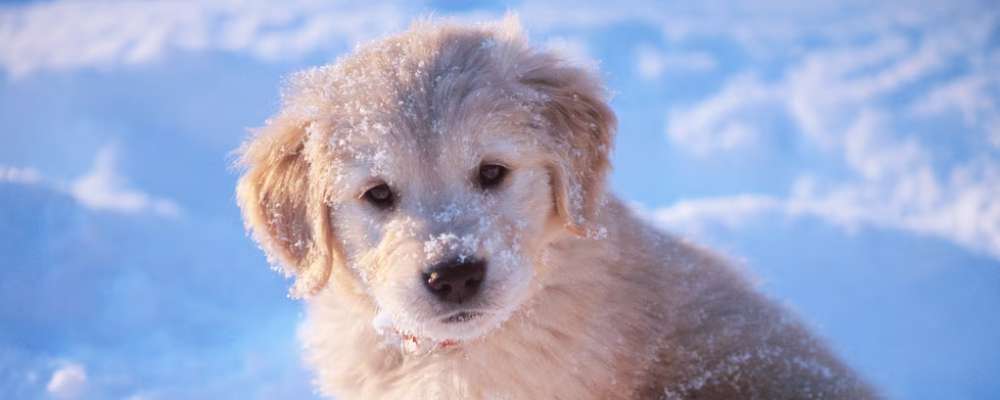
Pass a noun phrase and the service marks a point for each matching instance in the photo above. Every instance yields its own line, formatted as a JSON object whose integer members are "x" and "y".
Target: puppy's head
{"x": 427, "y": 172}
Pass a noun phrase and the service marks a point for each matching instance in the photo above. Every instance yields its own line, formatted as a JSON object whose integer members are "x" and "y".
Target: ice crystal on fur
{"x": 382, "y": 322}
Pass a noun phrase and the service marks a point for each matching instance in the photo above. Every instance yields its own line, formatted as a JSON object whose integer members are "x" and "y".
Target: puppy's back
{"x": 715, "y": 336}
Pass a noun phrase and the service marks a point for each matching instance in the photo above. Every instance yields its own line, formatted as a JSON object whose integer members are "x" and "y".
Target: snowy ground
{"x": 849, "y": 154}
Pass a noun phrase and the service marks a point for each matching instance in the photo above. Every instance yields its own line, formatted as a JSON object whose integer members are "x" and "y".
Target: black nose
{"x": 456, "y": 280}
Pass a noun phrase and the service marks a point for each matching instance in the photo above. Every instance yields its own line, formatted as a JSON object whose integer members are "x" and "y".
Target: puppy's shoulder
{"x": 717, "y": 336}
{"x": 641, "y": 246}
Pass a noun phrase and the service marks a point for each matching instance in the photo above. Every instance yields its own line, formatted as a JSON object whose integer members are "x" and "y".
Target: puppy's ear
{"x": 283, "y": 205}
{"x": 583, "y": 127}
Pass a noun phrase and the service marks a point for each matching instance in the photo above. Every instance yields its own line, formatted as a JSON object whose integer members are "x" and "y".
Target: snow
{"x": 439, "y": 246}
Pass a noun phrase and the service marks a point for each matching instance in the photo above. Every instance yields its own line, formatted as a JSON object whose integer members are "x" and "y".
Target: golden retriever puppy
{"x": 440, "y": 198}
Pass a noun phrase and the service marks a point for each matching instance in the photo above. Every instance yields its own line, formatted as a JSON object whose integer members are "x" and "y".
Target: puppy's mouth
{"x": 461, "y": 317}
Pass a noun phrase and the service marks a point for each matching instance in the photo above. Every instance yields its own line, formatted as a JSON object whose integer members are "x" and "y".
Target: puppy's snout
{"x": 455, "y": 280}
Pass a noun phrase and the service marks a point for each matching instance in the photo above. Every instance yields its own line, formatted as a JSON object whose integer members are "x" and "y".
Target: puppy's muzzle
{"x": 456, "y": 280}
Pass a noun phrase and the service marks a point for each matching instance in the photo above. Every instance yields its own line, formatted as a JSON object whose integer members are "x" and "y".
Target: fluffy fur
{"x": 581, "y": 300}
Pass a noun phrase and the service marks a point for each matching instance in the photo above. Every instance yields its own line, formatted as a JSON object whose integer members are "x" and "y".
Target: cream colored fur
{"x": 581, "y": 300}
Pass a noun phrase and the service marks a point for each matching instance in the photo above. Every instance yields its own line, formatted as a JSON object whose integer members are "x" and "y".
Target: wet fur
{"x": 609, "y": 309}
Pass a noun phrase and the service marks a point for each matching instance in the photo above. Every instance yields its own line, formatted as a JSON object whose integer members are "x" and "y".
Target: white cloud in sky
{"x": 142, "y": 396}
{"x": 695, "y": 216}
{"x": 105, "y": 34}
{"x": 970, "y": 97}
{"x": 69, "y": 35}
{"x": 651, "y": 63}
{"x": 962, "y": 209}
{"x": 100, "y": 188}
{"x": 26, "y": 175}
{"x": 104, "y": 188}
{"x": 764, "y": 30}
{"x": 837, "y": 98}
{"x": 62, "y": 35}
{"x": 573, "y": 49}
{"x": 68, "y": 382}
{"x": 724, "y": 121}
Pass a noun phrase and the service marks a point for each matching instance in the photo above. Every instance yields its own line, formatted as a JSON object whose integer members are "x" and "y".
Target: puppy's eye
{"x": 491, "y": 175}
{"x": 380, "y": 196}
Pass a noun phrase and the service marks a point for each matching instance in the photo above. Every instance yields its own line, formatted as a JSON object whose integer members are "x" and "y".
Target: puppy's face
{"x": 445, "y": 227}
{"x": 428, "y": 172}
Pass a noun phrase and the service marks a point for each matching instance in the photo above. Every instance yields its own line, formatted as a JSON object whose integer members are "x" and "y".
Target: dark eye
{"x": 491, "y": 175}
{"x": 380, "y": 196}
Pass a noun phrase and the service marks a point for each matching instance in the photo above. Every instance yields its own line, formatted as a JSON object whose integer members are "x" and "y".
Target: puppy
{"x": 440, "y": 198}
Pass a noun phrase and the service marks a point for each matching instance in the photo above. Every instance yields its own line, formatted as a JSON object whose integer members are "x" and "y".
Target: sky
{"x": 846, "y": 155}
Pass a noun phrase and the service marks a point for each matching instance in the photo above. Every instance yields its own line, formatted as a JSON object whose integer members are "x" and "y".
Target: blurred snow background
{"x": 848, "y": 153}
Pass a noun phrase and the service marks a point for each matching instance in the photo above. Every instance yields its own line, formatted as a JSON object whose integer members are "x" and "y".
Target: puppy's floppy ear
{"x": 283, "y": 205}
{"x": 583, "y": 127}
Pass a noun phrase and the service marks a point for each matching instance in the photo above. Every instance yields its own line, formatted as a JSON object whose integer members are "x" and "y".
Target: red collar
{"x": 413, "y": 344}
